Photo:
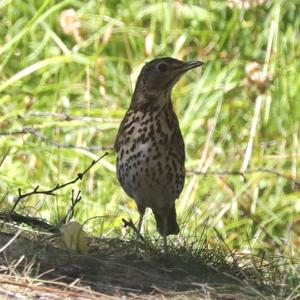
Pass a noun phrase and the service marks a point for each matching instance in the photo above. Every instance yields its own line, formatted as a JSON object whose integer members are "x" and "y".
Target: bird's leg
{"x": 165, "y": 237}
{"x": 139, "y": 227}
{"x": 138, "y": 233}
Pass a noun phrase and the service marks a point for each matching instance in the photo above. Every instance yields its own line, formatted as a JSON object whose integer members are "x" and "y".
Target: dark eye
{"x": 162, "y": 67}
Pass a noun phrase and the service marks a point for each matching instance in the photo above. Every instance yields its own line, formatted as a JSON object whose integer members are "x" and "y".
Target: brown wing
{"x": 177, "y": 141}
{"x": 120, "y": 135}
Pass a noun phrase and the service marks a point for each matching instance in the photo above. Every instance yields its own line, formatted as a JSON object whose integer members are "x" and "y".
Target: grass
{"x": 85, "y": 66}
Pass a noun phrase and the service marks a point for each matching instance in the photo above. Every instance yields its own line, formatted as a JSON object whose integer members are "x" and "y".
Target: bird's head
{"x": 158, "y": 77}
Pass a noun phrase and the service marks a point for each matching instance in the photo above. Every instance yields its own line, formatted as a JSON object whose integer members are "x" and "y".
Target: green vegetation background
{"x": 66, "y": 78}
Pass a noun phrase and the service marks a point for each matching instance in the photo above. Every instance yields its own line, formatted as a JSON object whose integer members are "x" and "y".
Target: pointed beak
{"x": 191, "y": 65}
{"x": 178, "y": 71}
{"x": 186, "y": 66}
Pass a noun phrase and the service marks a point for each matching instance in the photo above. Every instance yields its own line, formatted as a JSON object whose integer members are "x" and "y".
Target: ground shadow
{"x": 112, "y": 267}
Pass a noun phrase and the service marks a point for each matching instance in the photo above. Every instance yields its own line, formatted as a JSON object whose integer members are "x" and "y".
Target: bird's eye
{"x": 162, "y": 67}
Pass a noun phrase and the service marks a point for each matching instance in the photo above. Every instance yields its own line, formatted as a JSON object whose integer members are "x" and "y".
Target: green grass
{"x": 42, "y": 69}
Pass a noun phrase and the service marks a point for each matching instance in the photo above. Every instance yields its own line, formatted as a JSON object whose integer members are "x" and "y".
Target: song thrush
{"x": 150, "y": 147}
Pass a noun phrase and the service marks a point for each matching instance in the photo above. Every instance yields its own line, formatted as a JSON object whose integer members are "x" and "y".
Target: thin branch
{"x": 69, "y": 146}
{"x": 50, "y": 192}
{"x": 67, "y": 117}
{"x": 24, "y": 130}
{"x": 36, "y": 132}
{"x": 12, "y": 216}
{"x": 239, "y": 173}
{"x": 132, "y": 226}
{"x": 69, "y": 215}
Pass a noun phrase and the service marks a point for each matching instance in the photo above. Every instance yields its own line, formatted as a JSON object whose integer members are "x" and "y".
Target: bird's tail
{"x": 166, "y": 215}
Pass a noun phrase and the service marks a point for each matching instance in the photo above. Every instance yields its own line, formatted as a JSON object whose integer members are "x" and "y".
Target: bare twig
{"x": 12, "y": 216}
{"x": 69, "y": 146}
{"x": 24, "y": 130}
{"x": 36, "y": 132}
{"x": 67, "y": 117}
{"x": 239, "y": 173}
{"x": 50, "y": 192}
{"x": 69, "y": 215}
{"x": 132, "y": 226}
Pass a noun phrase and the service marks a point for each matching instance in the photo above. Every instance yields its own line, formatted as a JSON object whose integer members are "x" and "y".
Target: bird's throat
{"x": 150, "y": 100}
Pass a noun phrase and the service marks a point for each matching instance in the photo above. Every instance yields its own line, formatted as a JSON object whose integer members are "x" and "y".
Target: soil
{"x": 33, "y": 265}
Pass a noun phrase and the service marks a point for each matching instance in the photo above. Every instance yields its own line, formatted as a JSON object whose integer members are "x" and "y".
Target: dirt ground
{"x": 33, "y": 266}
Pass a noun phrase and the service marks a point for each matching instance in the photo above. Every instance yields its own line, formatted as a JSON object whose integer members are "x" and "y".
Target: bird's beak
{"x": 191, "y": 65}
{"x": 178, "y": 71}
{"x": 185, "y": 66}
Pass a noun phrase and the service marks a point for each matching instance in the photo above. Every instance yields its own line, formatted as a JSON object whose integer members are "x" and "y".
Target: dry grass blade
{"x": 33, "y": 288}
{"x": 10, "y": 241}
{"x": 33, "y": 68}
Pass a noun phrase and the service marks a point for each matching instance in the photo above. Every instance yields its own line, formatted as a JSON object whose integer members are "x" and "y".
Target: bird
{"x": 150, "y": 147}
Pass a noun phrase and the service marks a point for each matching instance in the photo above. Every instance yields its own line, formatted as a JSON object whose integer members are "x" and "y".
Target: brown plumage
{"x": 149, "y": 144}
